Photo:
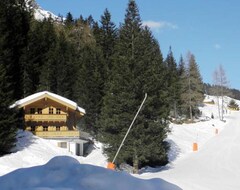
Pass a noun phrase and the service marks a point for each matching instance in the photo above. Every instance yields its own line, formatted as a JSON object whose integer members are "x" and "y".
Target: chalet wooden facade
{"x": 49, "y": 115}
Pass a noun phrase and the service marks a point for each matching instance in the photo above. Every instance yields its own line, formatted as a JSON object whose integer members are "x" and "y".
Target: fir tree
{"x": 14, "y": 22}
{"x": 233, "y": 105}
{"x": 173, "y": 83}
{"x": 47, "y": 59}
{"x": 193, "y": 94}
{"x": 8, "y": 125}
{"x": 182, "y": 73}
{"x": 89, "y": 85}
{"x": 64, "y": 67}
{"x": 138, "y": 69}
{"x": 69, "y": 20}
{"x": 107, "y": 37}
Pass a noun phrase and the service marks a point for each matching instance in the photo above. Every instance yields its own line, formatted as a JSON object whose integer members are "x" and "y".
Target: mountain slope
{"x": 214, "y": 167}
{"x": 41, "y": 14}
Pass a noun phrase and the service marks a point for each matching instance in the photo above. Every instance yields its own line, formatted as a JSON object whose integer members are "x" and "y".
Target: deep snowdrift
{"x": 67, "y": 173}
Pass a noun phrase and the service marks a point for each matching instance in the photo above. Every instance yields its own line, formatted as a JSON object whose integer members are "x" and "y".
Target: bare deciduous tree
{"x": 221, "y": 89}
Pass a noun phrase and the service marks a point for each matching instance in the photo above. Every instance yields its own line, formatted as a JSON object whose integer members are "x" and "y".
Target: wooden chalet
{"x": 49, "y": 115}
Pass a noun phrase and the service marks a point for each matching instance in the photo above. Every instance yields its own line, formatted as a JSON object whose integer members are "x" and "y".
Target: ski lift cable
{"x": 129, "y": 128}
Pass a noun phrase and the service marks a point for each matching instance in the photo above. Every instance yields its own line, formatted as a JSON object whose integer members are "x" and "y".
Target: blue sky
{"x": 210, "y": 29}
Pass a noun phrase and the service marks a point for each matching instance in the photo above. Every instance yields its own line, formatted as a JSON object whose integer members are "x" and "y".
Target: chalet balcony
{"x": 46, "y": 117}
{"x": 57, "y": 134}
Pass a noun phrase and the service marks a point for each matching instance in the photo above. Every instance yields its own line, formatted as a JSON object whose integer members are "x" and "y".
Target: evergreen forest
{"x": 106, "y": 69}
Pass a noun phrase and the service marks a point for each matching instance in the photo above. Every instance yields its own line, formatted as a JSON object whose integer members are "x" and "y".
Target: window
{"x": 45, "y": 128}
{"x": 32, "y": 110}
{"x": 58, "y": 128}
{"x": 58, "y": 111}
{"x": 62, "y": 144}
{"x": 33, "y": 128}
{"x": 50, "y": 110}
{"x": 39, "y": 110}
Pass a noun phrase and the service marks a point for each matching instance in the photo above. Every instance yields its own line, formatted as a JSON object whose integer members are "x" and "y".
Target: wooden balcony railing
{"x": 57, "y": 134}
{"x": 46, "y": 117}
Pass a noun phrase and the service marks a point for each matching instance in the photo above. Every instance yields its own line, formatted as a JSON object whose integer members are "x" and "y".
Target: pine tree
{"x": 34, "y": 59}
{"x": 182, "y": 73}
{"x": 8, "y": 125}
{"x": 194, "y": 94}
{"x": 14, "y": 22}
{"x": 173, "y": 82}
{"x": 89, "y": 85}
{"x": 64, "y": 67}
{"x": 69, "y": 21}
{"x": 107, "y": 37}
{"x": 14, "y": 27}
{"x": 233, "y": 105}
{"x": 137, "y": 69}
{"x": 47, "y": 59}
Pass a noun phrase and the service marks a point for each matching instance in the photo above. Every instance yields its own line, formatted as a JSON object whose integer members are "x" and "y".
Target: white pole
{"x": 129, "y": 128}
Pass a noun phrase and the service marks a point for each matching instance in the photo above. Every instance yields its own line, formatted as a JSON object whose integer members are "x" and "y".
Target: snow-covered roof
{"x": 37, "y": 96}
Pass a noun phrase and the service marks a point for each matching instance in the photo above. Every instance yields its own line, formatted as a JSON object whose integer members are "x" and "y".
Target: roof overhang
{"x": 48, "y": 95}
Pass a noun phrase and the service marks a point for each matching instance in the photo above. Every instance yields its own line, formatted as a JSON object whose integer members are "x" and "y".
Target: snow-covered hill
{"x": 32, "y": 151}
{"x": 213, "y": 167}
{"x": 40, "y": 13}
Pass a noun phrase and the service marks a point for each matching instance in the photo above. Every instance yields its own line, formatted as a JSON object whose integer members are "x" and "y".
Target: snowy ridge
{"x": 41, "y": 14}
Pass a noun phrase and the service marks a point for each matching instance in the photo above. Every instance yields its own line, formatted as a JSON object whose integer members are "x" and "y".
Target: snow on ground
{"x": 67, "y": 173}
{"x": 33, "y": 151}
{"x": 214, "y": 166}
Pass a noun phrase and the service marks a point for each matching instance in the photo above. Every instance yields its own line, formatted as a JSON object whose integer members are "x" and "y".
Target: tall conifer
{"x": 8, "y": 125}
{"x": 193, "y": 89}
{"x": 172, "y": 81}
{"x": 138, "y": 69}
{"x": 14, "y": 22}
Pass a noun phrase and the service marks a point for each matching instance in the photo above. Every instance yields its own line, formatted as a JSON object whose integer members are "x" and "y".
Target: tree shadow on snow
{"x": 91, "y": 147}
{"x": 24, "y": 140}
{"x": 173, "y": 152}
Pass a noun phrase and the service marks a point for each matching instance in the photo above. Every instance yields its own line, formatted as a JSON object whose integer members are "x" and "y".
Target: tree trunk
{"x": 190, "y": 99}
{"x": 135, "y": 165}
{"x": 175, "y": 109}
{"x": 190, "y": 111}
{"x": 219, "y": 115}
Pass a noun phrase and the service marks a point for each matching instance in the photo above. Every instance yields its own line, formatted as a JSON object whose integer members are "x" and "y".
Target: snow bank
{"x": 67, "y": 173}
{"x": 33, "y": 151}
